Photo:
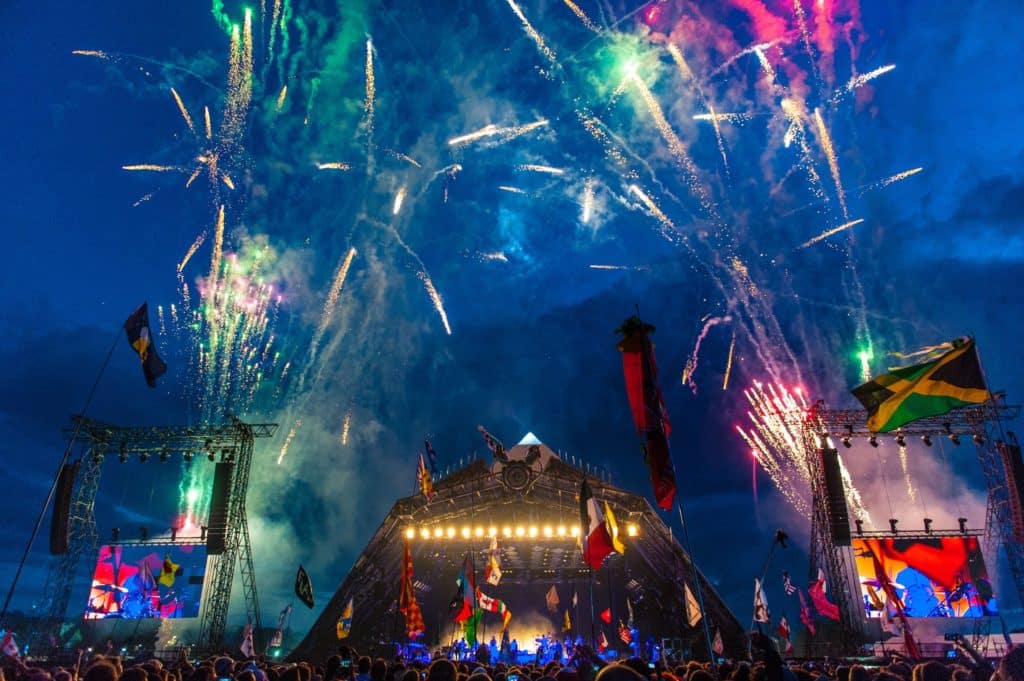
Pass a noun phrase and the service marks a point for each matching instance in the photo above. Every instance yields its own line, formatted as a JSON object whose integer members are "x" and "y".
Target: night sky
{"x": 938, "y": 254}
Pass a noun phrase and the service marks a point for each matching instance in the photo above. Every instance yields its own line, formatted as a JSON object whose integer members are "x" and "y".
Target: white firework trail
{"x": 587, "y": 210}
{"x": 491, "y": 130}
{"x": 345, "y": 426}
{"x": 534, "y": 168}
{"x": 333, "y": 165}
{"x": 724, "y": 117}
{"x": 513, "y": 190}
{"x": 330, "y": 303}
{"x": 542, "y": 47}
{"x": 288, "y": 441}
{"x": 898, "y": 177}
{"x": 694, "y": 359}
{"x": 835, "y": 230}
{"x": 435, "y": 298}
{"x": 399, "y": 199}
{"x": 833, "y": 162}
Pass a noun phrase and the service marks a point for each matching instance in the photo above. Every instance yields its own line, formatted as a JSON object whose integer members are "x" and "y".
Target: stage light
{"x": 115, "y": 532}
{"x": 123, "y": 456}
{"x": 927, "y": 440}
{"x": 188, "y": 457}
{"x": 506, "y": 531}
{"x": 410, "y": 533}
{"x": 492, "y": 532}
{"x": 548, "y": 532}
{"x": 927, "y": 525}
{"x": 575, "y": 531}
{"x": 892, "y": 525}
{"x": 164, "y": 455}
{"x": 466, "y": 533}
{"x": 901, "y": 440}
{"x": 632, "y": 530}
{"x": 955, "y": 439}
{"x": 479, "y": 531}
{"x": 533, "y": 531}
{"x": 978, "y": 438}
{"x": 873, "y": 441}
{"x": 143, "y": 457}
{"x": 438, "y": 532}
{"x": 451, "y": 533}
{"x": 211, "y": 456}
{"x": 425, "y": 533}
{"x": 561, "y": 531}
{"x": 520, "y": 531}
{"x": 963, "y": 525}
{"x": 860, "y": 526}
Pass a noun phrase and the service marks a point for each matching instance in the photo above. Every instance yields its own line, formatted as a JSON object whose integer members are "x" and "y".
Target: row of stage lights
{"x": 226, "y": 455}
{"x": 508, "y": 532}
{"x": 901, "y": 438}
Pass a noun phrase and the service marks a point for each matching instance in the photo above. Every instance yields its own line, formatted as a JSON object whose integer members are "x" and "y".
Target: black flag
{"x": 141, "y": 339}
{"x": 304, "y": 587}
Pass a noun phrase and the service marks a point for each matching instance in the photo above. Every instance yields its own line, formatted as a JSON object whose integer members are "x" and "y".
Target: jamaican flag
{"x": 929, "y": 389}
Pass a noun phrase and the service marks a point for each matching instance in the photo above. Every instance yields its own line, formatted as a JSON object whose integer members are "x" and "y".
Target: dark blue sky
{"x": 938, "y": 255}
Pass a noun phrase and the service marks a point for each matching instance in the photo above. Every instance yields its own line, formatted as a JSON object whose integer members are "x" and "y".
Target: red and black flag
{"x": 141, "y": 339}
{"x": 304, "y": 587}
{"x": 648, "y": 407}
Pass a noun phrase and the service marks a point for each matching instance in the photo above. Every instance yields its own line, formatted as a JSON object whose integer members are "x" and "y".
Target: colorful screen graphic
{"x": 136, "y": 582}
{"x": 940, "y": 577}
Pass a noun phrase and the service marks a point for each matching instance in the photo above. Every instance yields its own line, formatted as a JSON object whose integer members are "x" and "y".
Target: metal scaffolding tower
{"x": 232, "y": 442}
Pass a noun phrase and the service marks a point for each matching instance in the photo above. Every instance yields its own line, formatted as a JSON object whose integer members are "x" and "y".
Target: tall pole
{"x": 56, "y": 477}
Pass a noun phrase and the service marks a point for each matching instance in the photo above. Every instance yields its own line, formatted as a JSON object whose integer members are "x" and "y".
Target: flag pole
{"x": 56, "y": 477}
{"x": 764, "y": 573}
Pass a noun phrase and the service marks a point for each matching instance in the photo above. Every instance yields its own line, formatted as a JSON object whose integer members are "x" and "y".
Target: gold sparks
{"x": 151, "y": 167}
{"x": 677, "y": 56}
{"x": 668, "y": 228}
{"x": 542, "y": 47}
{"x": 860, "y": 80}
{"x": 610, "y": 267}
{"x": 333, "y": 165}
{"x": 345, "y": 425}
{"x": 331, "y": 302}
{"x": 99, "y": 54}
{"x": 492, "y": 130}
{"x": 206, "y": 119}
{"x": 183, "y": 110}
{"x": 192, "y": 250}
{"x": 227, "y": 181}
{"x": 218, "y": 251}
{"x": 581, "y": 15}
{"x": 833, "y": 162}
{"x": 496, "y": 255}
{"x": 588, "y": 200}
{"x": 435, "y": 298}
{"x": 288, "y": 441}
{"x": 512, "y": 190}
{"x": 399, "y": 199}
{"x": 723, "y": 117}
{"x": 899, "y": 176}
{"x": 828, "y": 233}
{"x": 371, "y": 90}
{"x": 728, "y": 362}
{"x": 193, "y": 176}
{"x": 281, "y": 97}
{"x": 534, "y": 168}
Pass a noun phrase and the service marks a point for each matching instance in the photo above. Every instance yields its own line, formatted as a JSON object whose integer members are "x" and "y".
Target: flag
{"x": 495, "y": 605}
{"x": 423, "y": 479}
{"x": 817, "y": 593}
{"x": 629, "y": 607}
{"x": 693, "y": 614}
{"x": 551, "y": 599}
{"x": 624, "y": 634}
{"x": 566, "y": 622}
{"x": 277, "y": 640}
{"x": 492, "y": 571}
{"x": 606, "y": 615}
{"x": 821, "y": 578}
{"x": 648, "y": 407}
{"x": 407, "y": 604}
{"x": 344, "y": 624}
{"x": 141, "y": 340}
{"x": 431, "y": 456}
{"x": 494, "y": 445}
{"x": 304, "y": 587}
{"x": 761, "y": 613}
{"x": 168, "y": 571}
{"x": 247, "y": 647}
{"x": 783, "y": 629}
{"x": 717, "y": 644}
{"x": 613, "y": 528}
{"x": 892, "y": 597}
{"x": 9, "y": 646}
{"x": 467, "y": 590}
{"x": 471, "y": 625}
{"x": 921, "y": 390}
{"x": 787, "y": 584}
{"x": 876, "y": 602}
{"x": 805, "y": 613}
{"x": 597, "y": 543}
{"x": 602, "y": 642}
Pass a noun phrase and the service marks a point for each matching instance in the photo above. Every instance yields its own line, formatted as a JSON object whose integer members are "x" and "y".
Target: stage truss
{"x": 982, "y": 424}
{"x": 99, "y": 440}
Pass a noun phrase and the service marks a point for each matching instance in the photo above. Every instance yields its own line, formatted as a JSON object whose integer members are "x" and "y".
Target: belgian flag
{"x": 141, "y": 339}
{"x": 929, "y": 389}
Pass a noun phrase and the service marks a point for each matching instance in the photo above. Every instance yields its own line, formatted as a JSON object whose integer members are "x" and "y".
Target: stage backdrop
{"x": 145, "y": 581}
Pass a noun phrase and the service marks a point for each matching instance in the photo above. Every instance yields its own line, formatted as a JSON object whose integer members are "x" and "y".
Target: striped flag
{"x": 407, "y": 604}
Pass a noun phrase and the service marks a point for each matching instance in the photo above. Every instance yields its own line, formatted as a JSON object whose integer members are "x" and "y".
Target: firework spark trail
{"x": 435, "y": 298}
{"x": 805, "y": 33}
{"x": 192, "y": 250}
{"x": 369, "y": 104}
{"x": 330, "y": 303}
{"x": 833, "y": 162}
{"x": 150, "y": 167}
{"x": 581, "y": 15}
{"x": 288, "y": 440}
{"x": 333, "y": 165}
{"x": 281, "y": 97}
{"x": 492, "y": 130}
{"x": 835, "y": 230}
{"x": 217, "y": 254}
{"x": 99, "y": 54}
{"x": 404, "y": 157}
{"x": 193, "y": 176}
{"x": 675, "y": 146}
{"x": 769, "y": 71}
{"x": 226, "y": 179}
{"x": 496, "y": 255}
{"x": 160, "y": 317}
{"x": 889, "y": 180}
{"x": 720, "y": 117}
{"x": 542, "y": 47}
{"x": 275, "y": 16}
{"x": 206, "y": 120}
{"x": 399, "y": 199}
{"x": 345, "y": 425}
{"x": 694, "y": 359}
{"x": 143, "y": 199}
{"x": 513, "y": 190}
{"x": 183, "y": 110}
{"x": 757, "y": 49}
{"x": 858, "y": 81}
{"x": 853, "y": 498}
{"x": 668, "y": 228}
{"x": 610, "y": 267}
{"x": 588, "y": 200}
{"x": 728, "y": 363}
{"x": 794, "y": 112}
{"x": 911, "y": 490}
{"x": 532, "y": 167}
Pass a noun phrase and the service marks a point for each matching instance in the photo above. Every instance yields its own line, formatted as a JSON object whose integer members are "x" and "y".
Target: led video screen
{"x": 147, "y": 582}
{"x": 933, "y": 577}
